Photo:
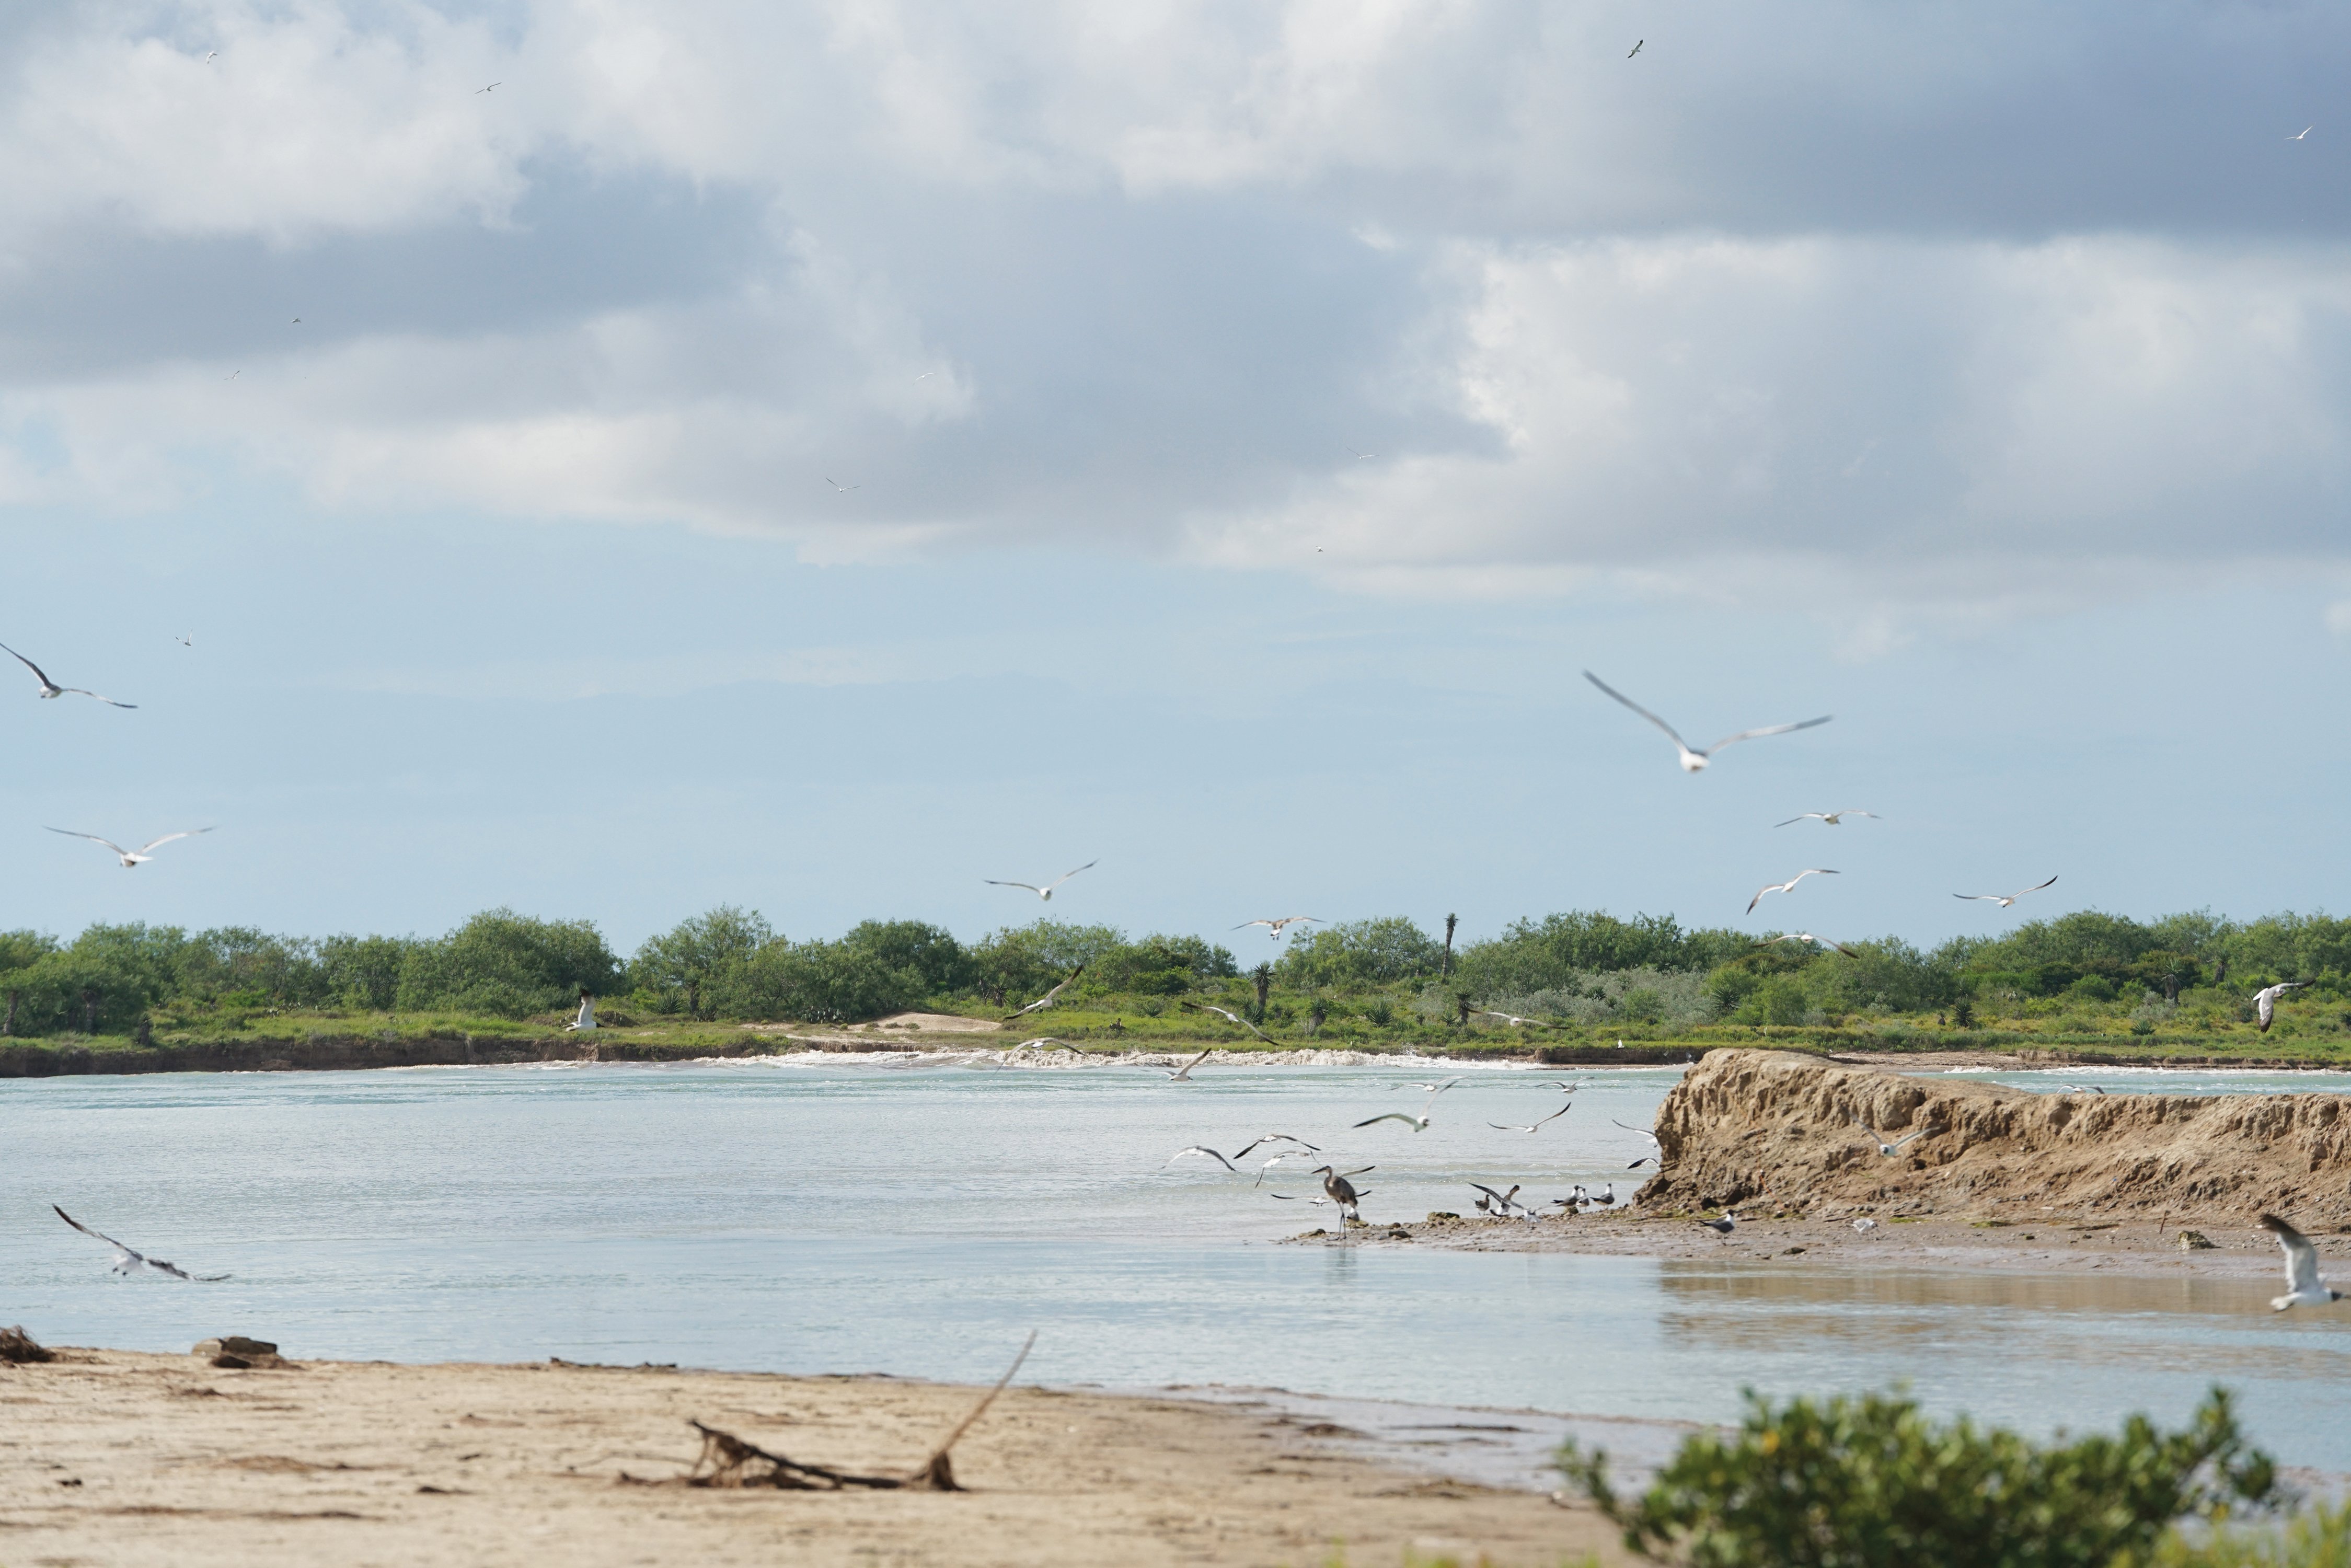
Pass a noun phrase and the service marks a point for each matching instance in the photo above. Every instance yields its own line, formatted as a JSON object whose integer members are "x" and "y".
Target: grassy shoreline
{"x": 333, "y": 1041}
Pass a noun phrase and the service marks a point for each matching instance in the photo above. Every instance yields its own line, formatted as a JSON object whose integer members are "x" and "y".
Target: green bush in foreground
{"x": 2318, "y": 1539}
{"x": 1849, "y": 1482}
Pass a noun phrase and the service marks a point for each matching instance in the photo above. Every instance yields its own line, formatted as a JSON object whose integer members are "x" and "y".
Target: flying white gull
{"x": 1692, "y": 759}
{"x": 1273, "y": 927}
{"x": 2265, "y": 1002}
{"x": 1183, "y": 1073}
{"x": 1243, "y": 1152}
{"x": 492, "y": 87}
{"x": 1503, "y": 1127}
{"x": 586, "y": 1022}
{"x": 2005, "y": 899}
{"x": 1513, "y": 1019}
{"x": 1497, "y": 1203}
{"x": 845, "y": 489}
{"x": 127, "y": 1261}
{"x": 50, "y": 688}
{"x": 1229, "y": 1017}
{"x": 132, "y": 857}
{"x": 1050, "y": 998}
{"x": 2302, "y": 132}
{"x": 1830, "y": 818}
{"x": 1431, "y": 1090}
{"x": 1657, "y": 1160}
{"x": 1203, "y": 1150}
{"x": 1417, "y": 1123}
{"x": 1636, "y": 48}
{"x": 1889, "y": 1150}
{"x": 1788, "y": 885}
{"x": 2304, "y": 1288}
{"x": 1045, "y": 892}
{"x": 1808, "y": 937}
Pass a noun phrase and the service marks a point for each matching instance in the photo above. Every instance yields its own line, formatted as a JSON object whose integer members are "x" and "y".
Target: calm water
{"x": 918, "y": 1219}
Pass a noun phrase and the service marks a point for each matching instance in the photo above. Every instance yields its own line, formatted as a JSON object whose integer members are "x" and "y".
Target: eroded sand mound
{"x": 1762, "y": 1127}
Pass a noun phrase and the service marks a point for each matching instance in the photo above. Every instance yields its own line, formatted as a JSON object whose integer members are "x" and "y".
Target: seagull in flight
{"x": 1050, "y": 998}
{"x": 1692, "y": 759}
{"x": 1502, "y": 1127}
{"x": 50, "y": 688}
{"x": 1636, "y": 49}
{"x": 1233, "y": 1018}
{"x": 2081, "y": 1089}
{"x": 1788, "y": 885}
{"x": 128, "y": 1260}
{"x": 492, "y": 87}
{"x": 1513, "y": 1019}
{"x": 1206, "y": 1153}
{"x": 212, "y": 55}
{"x": 2302, "y": 132}
{"x": 1360, "y": 456}
{"x": 1497, "y": 1203}
{"x": 132, "y": 857}
{"x": 2304, "y": 1288}
{"x": 1889, "y": 1150}
{"x": 1243, "y": 1152}
{"x": 1183, "y": 1073}
{"x": 1417, "y": 1123}
{"x": 1273, "y": 927}
{"x": 2265, "y": 1002}
{"x": 1830, "y": 818}
{"x": 1045, "y": 892}
{"x": 1815, "y": 941}
{"x": 1657, "y": 1160}
{"x": 187, "y": 642}
{"x": 2004, "y": 900}
{"x": 1431, "y": 1090}
{"x": 842, "y": 488}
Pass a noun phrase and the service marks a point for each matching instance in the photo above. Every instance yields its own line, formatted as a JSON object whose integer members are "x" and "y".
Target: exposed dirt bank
{"x": 1777, "y": 1130}
{"x": 117, "y": 1457}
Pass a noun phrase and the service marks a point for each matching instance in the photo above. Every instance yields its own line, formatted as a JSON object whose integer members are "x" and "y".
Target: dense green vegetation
{"x": 1854, "y": 1482}
{"x": 2183, "y": 982}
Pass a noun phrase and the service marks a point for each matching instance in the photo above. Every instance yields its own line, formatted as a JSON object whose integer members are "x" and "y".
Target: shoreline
{"x": 123, "y": 1455}
{"x": 371, "y": 1053}
{"x": 2054, "y": 1246}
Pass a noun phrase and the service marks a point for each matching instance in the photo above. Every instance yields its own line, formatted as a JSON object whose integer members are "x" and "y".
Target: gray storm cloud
{"x": 1914, "y": 305}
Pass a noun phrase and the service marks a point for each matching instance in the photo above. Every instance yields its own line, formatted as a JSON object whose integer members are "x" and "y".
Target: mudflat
{"x": 114, "y": 1456}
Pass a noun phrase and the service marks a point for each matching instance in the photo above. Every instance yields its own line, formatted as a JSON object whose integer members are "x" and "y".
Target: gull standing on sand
{"x": 1273, "y": 927}
{"x": 1788, "y": 885}
{"x": 1723, "y": 1227}
{"x": 2265, "y": 1002}
{"x": 132, "y": 857}
{"x": 50, "y": 688}
{"x": 1889, "y": 1150}
{"x": 2006, "y": 899}
{"x": 1050, "y": 998}
{"x": 1830, "y": 818}
{"x": 1183, "y": 1073}
{"x": 1692, "y": 759}
{"x": 1228, "y": 1016}
{"x": 1045, "y": 892}
{"x": 2304, "y": 1288}
{"x": 1502, "y": 1127}
{"x": 127, "y": 1261}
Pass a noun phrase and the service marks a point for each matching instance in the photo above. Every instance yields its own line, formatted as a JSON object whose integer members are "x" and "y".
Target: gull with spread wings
{"x": 1693, "y": 760}
{"x": 1890, "y": 1150}
{"x": 132, "y": 857}
{"x": 2304, "y": 1288}
{"x": 2265, "y": 1002}
{"x": 129, "y": 1260}
{"x": 50, "y": 688}
{"x": 1808, "y": 937}
{"x": 2006, "y": 899}
{"x": 1045, "y": 892}
{"x": 1502, "y": 1127}
{"x": 1830, "y": 818}
{"x": 1229, "y": 1017}
{"x": 1273, "y": 927}
{"x": 1788, "y": 885}
{"x": 1050, "y": 998}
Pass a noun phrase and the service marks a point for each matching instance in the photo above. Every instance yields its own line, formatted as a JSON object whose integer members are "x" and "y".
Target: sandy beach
{"x": 116, "y": 1457}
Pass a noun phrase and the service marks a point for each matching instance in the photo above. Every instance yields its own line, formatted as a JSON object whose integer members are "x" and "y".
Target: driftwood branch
{"x": 727, "y": 1460}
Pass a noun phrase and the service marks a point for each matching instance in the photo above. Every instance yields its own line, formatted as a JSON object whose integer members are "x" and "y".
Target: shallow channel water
{"x": 918, "y": 1216}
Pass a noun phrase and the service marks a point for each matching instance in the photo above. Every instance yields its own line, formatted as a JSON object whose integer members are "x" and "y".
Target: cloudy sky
{"x": 818, "y": 456}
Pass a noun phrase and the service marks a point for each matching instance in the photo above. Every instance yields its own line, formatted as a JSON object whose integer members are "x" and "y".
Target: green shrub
{"x": 2320, "y": 1538}
{"x": 1857, "y": 1482}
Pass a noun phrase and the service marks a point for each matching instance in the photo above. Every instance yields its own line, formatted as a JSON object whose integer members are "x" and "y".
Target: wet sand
{"x": 2057, "y": 1245}
{"x": 115, "y": 1457}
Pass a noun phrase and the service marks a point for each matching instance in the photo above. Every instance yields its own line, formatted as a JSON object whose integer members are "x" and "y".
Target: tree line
{"x": 730, "y": 964}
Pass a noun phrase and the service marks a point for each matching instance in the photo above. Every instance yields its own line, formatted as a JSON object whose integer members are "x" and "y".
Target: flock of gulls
{"x": 2304, "y": 1286}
